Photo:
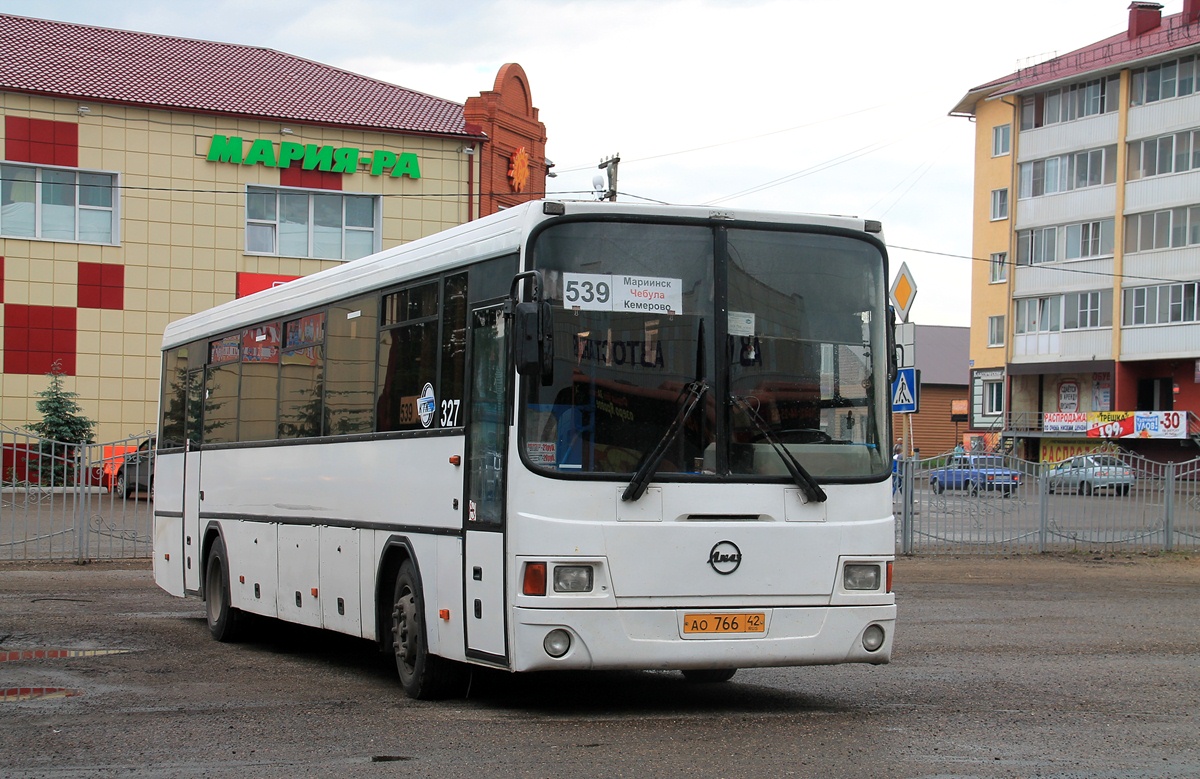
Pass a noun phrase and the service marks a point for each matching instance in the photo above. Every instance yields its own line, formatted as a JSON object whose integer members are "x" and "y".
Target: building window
{"x": 993, "y": 398}
{"x": 999, "y": 266}
{"x": 1079, "y": 170}
{"x": 999, "y": 204}
{"x": 1001, "y": 140}
{"x": 1065, "y": 104}
{"x": 1161, "y": 305}
{"x": 1084, "y": 310}
{"x": 57, "y": 204}
{"x": 1175, "y": 78}
{"x": 1037, "y": 246}
{"x": 1090, "y": 239}
{"x": 996, "y": 330}
{"x": 1169, "y": 229}
{"x": 1174, "y": 153}
{"x": 1037, "y": 315}
{"x": 321, "y": 225}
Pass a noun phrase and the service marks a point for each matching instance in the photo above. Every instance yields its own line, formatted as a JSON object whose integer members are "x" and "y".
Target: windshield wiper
{"x": 695, "y": 391}
{"x": 809, "y": 489}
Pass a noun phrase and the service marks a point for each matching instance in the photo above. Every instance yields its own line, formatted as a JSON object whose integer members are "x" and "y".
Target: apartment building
{"x": 1085, "y": 321}
{"x": 147, "y": 177}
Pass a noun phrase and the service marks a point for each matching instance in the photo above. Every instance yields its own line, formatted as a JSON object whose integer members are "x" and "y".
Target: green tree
{"x": 63, "y": 428}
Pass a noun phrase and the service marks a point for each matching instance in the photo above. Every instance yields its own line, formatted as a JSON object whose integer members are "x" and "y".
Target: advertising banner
{"x": 1137, "y": 424}
{"x": 1053, "y": 451}
{"x": 1065, "y": 422}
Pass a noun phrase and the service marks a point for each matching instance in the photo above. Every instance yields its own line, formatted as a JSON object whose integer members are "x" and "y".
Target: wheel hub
{"x": 404, "y": 632}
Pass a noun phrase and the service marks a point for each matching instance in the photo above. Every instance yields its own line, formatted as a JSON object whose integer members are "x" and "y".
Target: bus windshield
{"x": 771, "y": 339}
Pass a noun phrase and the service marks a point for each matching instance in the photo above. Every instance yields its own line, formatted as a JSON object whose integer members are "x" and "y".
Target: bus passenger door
{"x": 191, "y": 482}
{"x": 483, "y": 517}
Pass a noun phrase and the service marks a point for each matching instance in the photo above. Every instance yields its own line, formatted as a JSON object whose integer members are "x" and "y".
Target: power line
{"x": 1044, "y": 266}
{"x": 736, "y": 140}
{"x": 821, "y": 166}
{"x": 928, "y": 166}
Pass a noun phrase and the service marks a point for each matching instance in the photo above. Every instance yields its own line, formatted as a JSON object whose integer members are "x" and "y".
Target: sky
{"x": 819, "y": 106}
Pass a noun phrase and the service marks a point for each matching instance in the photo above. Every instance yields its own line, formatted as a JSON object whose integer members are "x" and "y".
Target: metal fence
{"x": 1128, "y": 504}
{"x": 75, "y": 501}
{"x": 95, "y": 502}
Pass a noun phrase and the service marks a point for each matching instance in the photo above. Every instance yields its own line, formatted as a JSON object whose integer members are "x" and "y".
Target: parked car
{"x": 1087, "y": 473}
{"x": 975, "y": 473}
{"x": 136, "y": 473}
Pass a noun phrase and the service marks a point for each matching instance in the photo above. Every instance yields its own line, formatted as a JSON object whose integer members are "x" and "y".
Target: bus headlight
{"x": 557, "y": 642}
{"x": 857, "y": 576}
{"x": 872, "y": 638}
{"x": 573, "y": 578}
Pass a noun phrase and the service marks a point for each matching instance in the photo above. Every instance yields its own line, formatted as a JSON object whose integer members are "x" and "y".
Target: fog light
{"x": 558, "y": 641}
{"x": 860, "y": 577}
{"x": 872, "y": 638}
{"x": 573, "y": 578}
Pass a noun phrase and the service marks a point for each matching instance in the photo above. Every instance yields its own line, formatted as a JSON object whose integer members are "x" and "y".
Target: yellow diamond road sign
{"x": 904, "y": 290}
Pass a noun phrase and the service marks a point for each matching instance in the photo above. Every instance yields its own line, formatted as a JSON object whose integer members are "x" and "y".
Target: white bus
{"x": 571, "y": 435}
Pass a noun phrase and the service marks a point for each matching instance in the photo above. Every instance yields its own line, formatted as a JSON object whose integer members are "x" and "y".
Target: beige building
{"x": 1085, "y": 311}
{"x": 147, "y": 177}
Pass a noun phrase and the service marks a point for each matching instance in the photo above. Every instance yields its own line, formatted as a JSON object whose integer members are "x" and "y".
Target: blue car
{"x": 975, "y": 473}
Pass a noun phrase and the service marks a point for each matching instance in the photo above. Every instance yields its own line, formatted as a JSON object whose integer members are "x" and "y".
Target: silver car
{"x": 1088, "y": 473}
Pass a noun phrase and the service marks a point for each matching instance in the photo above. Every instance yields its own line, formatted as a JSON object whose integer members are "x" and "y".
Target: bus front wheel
{"x": 422, "y": 675}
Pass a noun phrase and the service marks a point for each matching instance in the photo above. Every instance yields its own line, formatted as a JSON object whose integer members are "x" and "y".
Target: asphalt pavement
{"x": 1060, "y": 667}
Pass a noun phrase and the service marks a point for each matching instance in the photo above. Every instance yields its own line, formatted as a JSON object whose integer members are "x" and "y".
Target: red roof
{"x": 1109, "y": 54}
{"x": 135, "y": 68}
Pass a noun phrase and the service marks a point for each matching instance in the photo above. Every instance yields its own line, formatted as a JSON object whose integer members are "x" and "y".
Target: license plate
{"x": 708, "y": 624}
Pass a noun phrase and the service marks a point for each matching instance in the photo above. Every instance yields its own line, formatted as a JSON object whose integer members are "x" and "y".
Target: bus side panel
{"x": 449, "y": 596}
{"x": 368, "y": 568}
{"x": 299, "y": 574}
{"x": 169, "y": 557}
{"x": 339, "y": 576}
{"x": 168, "y": 554}
{"x": 252, "y": 549}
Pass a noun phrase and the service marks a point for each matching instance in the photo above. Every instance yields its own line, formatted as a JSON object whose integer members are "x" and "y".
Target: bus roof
{"x": 491, "y": 236}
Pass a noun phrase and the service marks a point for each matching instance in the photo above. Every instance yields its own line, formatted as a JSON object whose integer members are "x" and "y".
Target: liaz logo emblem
{"x": 426, "y": 405}
{"x": 725, "y": 557}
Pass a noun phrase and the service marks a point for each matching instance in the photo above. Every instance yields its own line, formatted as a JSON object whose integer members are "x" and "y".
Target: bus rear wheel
{"x": 225, "y": 623}
{"x": 422, "y": 675}
{"x": 709, "y": 675}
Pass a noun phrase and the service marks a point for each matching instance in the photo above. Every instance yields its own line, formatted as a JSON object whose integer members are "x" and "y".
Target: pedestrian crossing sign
{"x": 905, "y": 391}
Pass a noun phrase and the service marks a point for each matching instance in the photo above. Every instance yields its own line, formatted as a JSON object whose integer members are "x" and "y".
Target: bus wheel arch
{"x": 212, "y": 535}
{"x": 395, "y": 553}
{"x": 404, "y": 633}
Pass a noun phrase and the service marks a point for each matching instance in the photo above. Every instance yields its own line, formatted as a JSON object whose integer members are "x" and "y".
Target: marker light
{"x": 857, "y": 576}
{"x": 534, "y": 581}
{"x": 872, "y": 638}
{"x": 573, "y": 578}
{"x": 557, "y": 642}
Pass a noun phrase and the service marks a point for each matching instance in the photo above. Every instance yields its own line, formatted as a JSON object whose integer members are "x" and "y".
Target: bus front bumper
{"x": 645, "y": 639}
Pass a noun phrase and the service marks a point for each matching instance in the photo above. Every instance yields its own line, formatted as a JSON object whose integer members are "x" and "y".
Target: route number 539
{"x": 586, "y": 291}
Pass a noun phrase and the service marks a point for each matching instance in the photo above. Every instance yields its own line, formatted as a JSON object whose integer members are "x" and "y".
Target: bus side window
{"x": 350, "y": 337}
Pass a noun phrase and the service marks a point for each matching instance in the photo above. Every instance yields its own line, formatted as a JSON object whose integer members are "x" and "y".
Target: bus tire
{"x": 709, "y": 675}
{"x": 422, "y": 675}
{"x": 225, "y": 623}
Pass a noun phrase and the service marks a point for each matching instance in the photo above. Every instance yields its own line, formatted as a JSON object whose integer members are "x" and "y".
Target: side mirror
{"x": 533, "y": 332}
